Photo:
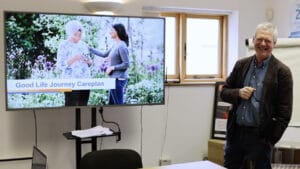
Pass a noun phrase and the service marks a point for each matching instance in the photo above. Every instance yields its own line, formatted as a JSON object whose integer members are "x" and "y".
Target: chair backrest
{"x": 111, "y": 159}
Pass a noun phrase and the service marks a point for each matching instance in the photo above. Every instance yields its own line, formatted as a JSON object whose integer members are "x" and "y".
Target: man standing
{"x": 260, "y": 87}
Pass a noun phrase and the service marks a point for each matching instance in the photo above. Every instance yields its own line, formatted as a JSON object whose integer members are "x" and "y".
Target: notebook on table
{"x": 39, "y": 159}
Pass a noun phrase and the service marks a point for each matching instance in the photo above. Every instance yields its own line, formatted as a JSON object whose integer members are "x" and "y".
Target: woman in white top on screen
{"x": 73, "y": 60}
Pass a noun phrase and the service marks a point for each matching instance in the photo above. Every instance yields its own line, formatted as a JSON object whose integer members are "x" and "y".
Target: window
{"x": 195, "y": 47}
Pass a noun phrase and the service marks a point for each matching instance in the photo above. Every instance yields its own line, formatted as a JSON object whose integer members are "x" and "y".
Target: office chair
{"x": 111, "y": 159}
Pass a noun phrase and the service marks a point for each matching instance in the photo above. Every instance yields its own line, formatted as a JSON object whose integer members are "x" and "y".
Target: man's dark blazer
{"x": 277, "y": 98}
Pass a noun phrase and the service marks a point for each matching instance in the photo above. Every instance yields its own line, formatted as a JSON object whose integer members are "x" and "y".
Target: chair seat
{"x": 111, "y": 159}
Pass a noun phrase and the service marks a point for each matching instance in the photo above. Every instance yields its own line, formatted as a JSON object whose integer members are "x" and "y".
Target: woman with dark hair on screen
{"x": 119, "y": 62}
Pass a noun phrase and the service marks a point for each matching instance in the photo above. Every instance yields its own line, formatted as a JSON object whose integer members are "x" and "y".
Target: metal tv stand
{"x": 90, "y": 140}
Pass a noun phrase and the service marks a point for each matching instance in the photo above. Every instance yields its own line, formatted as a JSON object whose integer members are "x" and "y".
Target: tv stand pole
{"x": 79, "y": 141}
{"x": 90, "y": 140}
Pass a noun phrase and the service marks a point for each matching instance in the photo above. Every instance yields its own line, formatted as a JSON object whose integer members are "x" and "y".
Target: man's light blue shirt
{"x": 248, "y": 110}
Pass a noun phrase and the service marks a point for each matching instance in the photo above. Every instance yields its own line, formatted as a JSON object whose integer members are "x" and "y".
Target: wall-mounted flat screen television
{"x": 58, "y": 60}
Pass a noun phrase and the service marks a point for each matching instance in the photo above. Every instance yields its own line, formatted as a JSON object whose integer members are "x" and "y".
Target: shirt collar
{"x": 264, "y": 63}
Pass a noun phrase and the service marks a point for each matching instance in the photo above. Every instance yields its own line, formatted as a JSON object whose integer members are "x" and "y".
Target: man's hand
{"x": 246, "y": 92}
{"x": 109, "y": 70}
{"x": 74, "y": 59}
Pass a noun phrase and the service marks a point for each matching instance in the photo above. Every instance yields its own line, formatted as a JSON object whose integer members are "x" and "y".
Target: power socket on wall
{"x": 165, "y": 161}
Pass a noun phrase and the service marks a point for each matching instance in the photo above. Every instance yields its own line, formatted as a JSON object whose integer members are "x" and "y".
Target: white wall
{"x": 284, "y": 16}
{"x": 179, "y": 129}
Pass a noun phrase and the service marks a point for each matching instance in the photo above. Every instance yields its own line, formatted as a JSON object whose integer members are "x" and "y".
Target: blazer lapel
{"x": 270, "y": 81}
{"x": 245, "y": 70}
{"x": 270, "y": 74}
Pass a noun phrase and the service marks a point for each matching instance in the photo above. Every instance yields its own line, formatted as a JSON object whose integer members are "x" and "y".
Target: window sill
{"x": 177, "y": 82}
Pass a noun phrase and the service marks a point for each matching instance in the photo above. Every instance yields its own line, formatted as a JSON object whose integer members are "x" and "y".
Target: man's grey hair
{"x": 269, "y": 27}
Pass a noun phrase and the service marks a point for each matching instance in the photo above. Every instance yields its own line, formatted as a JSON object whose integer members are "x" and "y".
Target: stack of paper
{"x": 95, "y": 131}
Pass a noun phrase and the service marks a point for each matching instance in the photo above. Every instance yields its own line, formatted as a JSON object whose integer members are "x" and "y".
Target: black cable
{"x": 166, "y": 124}
{"x": 141, "y": 144}
{"x": 15, "y": 159}
{"x": 35, "y": 127}
{"x": 111, "y": 122}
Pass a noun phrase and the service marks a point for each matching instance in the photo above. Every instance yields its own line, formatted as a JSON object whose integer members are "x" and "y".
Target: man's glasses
{"x": 260, "y": 40}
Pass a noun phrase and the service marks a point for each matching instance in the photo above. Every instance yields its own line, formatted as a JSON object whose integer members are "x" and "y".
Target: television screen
{"x": 58, "y": 60}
